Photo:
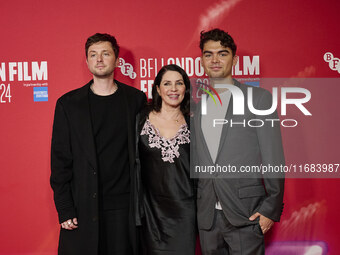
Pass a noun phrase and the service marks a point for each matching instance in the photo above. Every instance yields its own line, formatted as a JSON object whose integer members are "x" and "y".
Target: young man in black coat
{"x": 92, "y": 158}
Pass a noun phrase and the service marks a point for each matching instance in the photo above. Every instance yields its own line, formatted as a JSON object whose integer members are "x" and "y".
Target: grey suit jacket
{"x": 241, "y": 194}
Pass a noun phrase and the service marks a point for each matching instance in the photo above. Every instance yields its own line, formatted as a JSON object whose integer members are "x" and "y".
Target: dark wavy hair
{"x": 156, "y": 103}
{"x": 218, "y": 35}
{"x": 102, "y": 38}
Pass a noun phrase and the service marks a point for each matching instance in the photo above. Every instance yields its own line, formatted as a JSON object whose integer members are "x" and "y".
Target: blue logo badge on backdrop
{"x": 40, "y": 94}
{"x": 253, "y": 83}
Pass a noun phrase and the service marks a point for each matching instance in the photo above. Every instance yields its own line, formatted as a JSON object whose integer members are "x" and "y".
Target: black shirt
{"x": 109, "y": 126}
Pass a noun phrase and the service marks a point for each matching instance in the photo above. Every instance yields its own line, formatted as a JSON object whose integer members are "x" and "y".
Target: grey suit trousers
{"x": 224, "y": 238}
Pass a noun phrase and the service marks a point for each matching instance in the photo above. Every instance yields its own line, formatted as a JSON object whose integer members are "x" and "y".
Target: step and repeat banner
{"x": 290, "y": 44}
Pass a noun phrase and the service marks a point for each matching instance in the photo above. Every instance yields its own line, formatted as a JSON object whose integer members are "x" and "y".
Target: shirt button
{"x": 94, "y": 195}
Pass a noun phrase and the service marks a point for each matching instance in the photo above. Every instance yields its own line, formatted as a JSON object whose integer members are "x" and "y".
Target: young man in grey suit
{"x": 93, "y": 156}
{"x": 235, "y": 209}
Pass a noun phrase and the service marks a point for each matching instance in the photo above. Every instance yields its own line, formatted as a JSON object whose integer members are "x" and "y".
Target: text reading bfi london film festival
{"x": 149, "y": 67}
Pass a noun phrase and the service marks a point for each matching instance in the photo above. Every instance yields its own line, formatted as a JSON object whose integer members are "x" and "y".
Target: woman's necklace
{"x": 176, "y": 119}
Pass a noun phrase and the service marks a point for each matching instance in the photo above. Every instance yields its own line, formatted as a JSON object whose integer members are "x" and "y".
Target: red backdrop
{"x": 42, "y": 45}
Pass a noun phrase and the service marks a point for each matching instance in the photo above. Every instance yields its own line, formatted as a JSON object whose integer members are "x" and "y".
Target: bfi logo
{"x": 334, "y": 63}
{"x": 126, "y": 69}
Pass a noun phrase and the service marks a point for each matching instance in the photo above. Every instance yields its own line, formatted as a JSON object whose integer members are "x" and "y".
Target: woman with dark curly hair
{"x": 168, "y": 200}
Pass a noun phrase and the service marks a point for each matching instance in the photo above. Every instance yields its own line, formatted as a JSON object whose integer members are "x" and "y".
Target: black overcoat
{"x": 74, "y": 177}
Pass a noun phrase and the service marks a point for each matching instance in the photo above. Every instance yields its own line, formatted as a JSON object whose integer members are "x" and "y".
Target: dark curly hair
{"x": 156, "y": 103}
{"x": 218, "y": 35}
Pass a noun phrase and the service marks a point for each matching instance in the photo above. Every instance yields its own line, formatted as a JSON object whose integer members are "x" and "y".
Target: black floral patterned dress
{"x": 169, "y": 225}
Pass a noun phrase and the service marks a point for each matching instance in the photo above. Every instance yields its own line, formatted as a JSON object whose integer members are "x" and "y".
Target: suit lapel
{"x": 229, "y": 116}
{"x": 225, "y": 128}
{"x": 81, "y": 119}
{"x": 199, "y": 134}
